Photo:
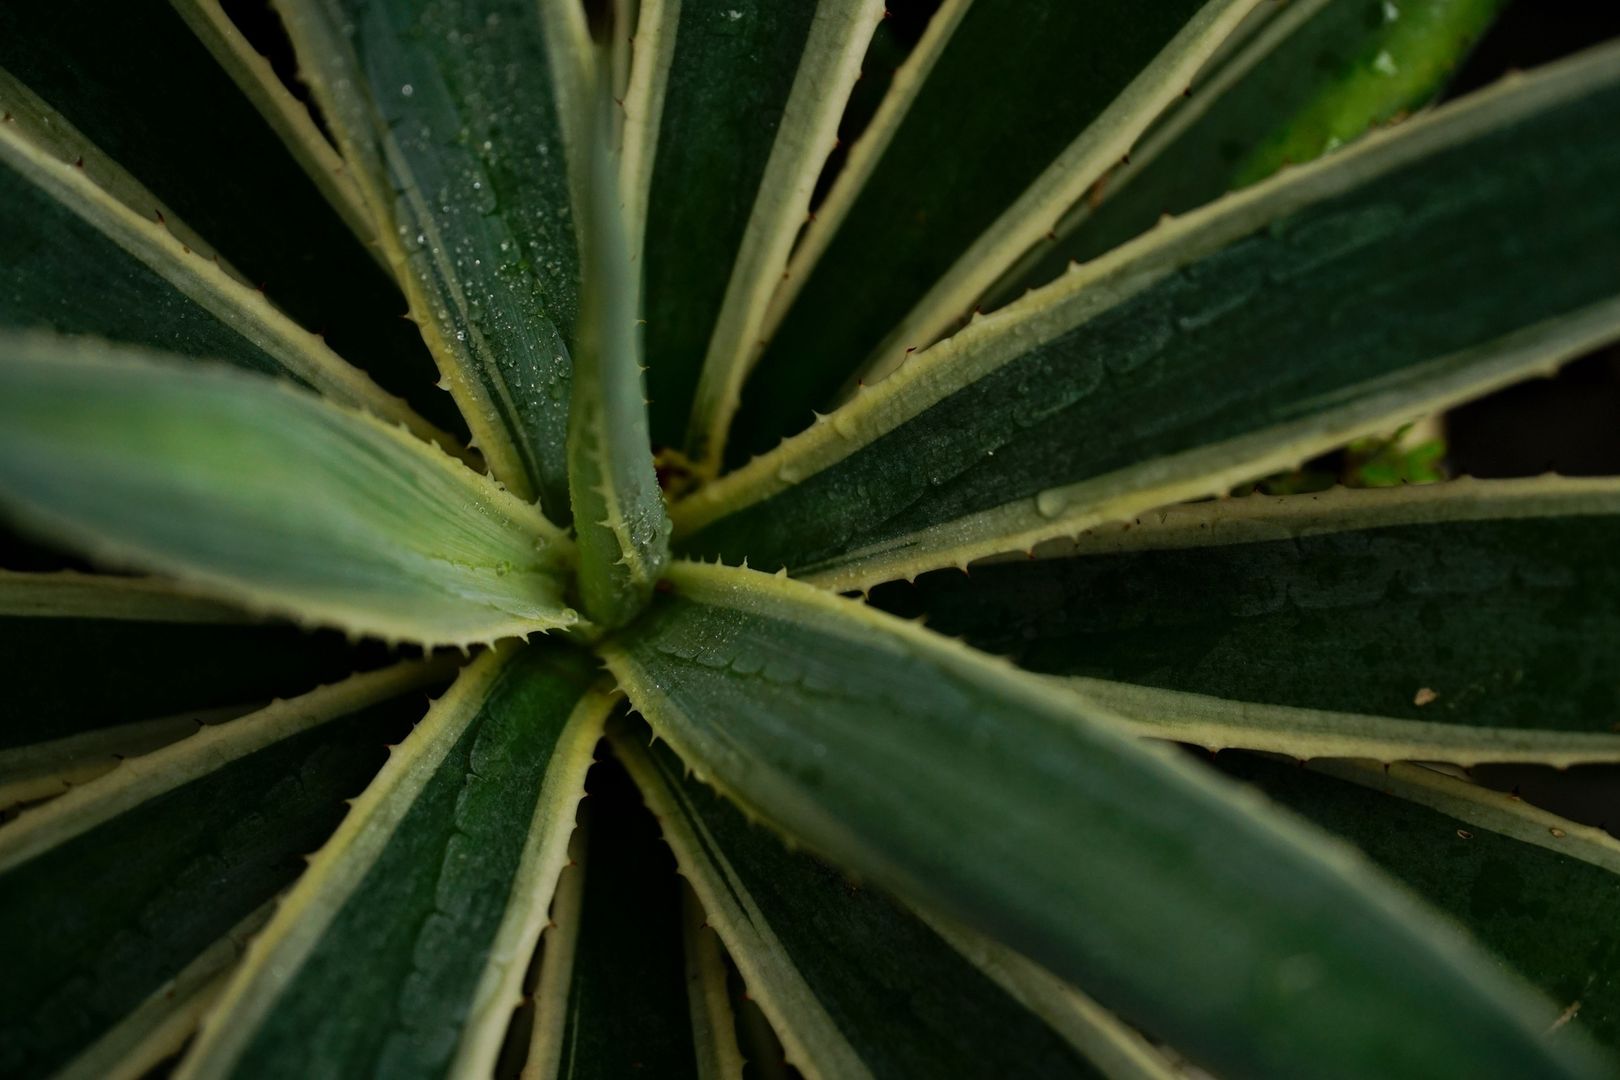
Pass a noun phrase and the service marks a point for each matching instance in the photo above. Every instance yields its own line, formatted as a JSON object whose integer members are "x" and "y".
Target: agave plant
{"x": 971, "y": 339}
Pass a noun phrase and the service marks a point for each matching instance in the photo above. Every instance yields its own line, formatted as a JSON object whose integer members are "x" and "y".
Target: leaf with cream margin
{"x": 1437, "y": 262}
{"x": 620, "y": 522}
{"x": 985, "y": 794}
{"x": 1015, "y": 108}
{"x": 440, "y": 877}
{"x": 856, "y": 984}
{"x": 463, "y": 125}
{"x": 264, "y": 495}
{"x": 155, "y": 863}
{"x": 1534, "y": 889}
{"x": 77, "y": 257}
{"x": 225, "y": 152}
{"x": 1466, "y": 621}
{"x": 750, "y": 95}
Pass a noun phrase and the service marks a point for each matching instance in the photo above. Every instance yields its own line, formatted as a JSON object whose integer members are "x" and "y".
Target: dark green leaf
{"x": 751, "y": 96}
{"x": 978, "y": 791}
{"x": 75, "y": 258}
{"x": 856, "y": 984}
{"x": 457, "y": 118}
{"x": 109, "y": 892}
{"x": 63, "y": 274}
{"x": 1538, "y": 891}
{"x": 1459, "y": 622}
{"x": 1419, "y": 268}
{"x": 401, "y": 952}
{"x": 136, "y": 81}
{"x": 728, "y": 81}
{"x": 1056, "y": 67}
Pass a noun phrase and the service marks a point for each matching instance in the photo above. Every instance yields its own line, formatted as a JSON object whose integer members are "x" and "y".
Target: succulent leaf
{"x": 65, "y": 232}
{"x": 979, "y": 792}
{"x": 440, "y": 877}
{"x": 967, "y": 178}
{"x": 1534, "y": 889}
{"x": 1268, "y": 327}
{"x": 713, "y": 259}
{"x": 918, "y": 857}
{"x": 856, "y": 984}
{"x": 617, "y": 949}
{"x": 1464, "y": 622}
{"x": 156, "y": 862}
{"x": 209, "y": 146}
{"x": 618, "y": 505}
{"x": 462, "y": 124}
{"x": 266, "y": 496}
